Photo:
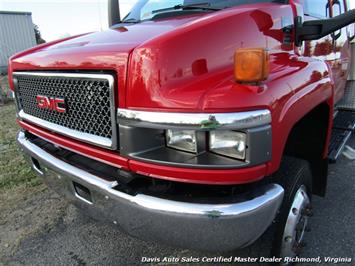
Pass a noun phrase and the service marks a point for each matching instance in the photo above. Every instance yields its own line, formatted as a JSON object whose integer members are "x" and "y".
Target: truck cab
{"x": 334, "y": 48}
{"x": 199, "y": 125}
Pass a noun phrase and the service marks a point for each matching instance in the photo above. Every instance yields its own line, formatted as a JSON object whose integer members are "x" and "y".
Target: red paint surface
{"x": 185, "y": 64}
{"x": 236, "y": 176}
{"x": 200, "y": 176}
{"x": 93, "y": 152}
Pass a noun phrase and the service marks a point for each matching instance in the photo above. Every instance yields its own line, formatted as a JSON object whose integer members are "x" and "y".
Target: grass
{"x": 14, "y": 170}
{"x": 4, "y": 83}
{"x": 4, "y": 87}
{"x": 27, "y": 208}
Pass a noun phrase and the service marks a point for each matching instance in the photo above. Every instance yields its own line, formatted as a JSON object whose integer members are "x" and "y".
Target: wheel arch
{"x": 308, "y": 140}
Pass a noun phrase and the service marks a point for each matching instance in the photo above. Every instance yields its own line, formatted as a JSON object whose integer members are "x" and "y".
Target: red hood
{"x": 100, "y": 50}
{"x": 108, "y": 50}
{"x": 176, "y": 63}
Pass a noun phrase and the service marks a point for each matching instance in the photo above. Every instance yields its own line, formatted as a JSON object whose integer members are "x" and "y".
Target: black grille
{"x": 87, "y": 100}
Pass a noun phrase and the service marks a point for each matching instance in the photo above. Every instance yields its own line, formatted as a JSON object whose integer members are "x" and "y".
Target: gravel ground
{"x": 55, "y": 233}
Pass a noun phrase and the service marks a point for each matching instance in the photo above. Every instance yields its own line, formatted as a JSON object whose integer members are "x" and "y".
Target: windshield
{"x": 148, "y": 9}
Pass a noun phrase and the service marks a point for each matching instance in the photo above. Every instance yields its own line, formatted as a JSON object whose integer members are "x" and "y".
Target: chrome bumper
{"x": 213, "y": 227}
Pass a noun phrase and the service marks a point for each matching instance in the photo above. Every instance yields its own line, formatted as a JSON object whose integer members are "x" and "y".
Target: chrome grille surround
{"x": 91, "y": 115}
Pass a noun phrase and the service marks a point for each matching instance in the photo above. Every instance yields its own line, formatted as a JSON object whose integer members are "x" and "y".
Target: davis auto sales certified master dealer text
{"x": 232, "y": 259}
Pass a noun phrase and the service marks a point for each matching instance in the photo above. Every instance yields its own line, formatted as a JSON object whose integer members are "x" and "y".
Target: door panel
{"x": 323, "y": 48}
{"x": 341, "y": 45}
{"x": 334, "y": 48}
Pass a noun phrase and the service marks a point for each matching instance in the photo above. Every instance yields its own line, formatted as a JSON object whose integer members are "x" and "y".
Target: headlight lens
{"x": 184, "y": 140}
{"x": 228, "y": 143}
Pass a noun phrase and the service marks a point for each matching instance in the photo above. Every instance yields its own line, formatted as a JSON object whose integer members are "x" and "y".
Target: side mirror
{"x": 114, "y": 16}
{"x": 316, "y": 29}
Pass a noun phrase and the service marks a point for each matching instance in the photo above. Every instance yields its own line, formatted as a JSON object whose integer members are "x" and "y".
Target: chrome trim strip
{"x": 66, "y": 75}
{"x": 240, "y": 120}
{"x": 85, "y": 137}
{"x": 104, "y": 142}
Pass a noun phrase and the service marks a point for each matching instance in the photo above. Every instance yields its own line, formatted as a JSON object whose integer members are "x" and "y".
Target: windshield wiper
{"x": 200, "y": 6}
{"x": 131, "y": 20}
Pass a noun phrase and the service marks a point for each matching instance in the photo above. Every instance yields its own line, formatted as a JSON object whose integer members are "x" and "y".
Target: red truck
{"x": 199, "y": 125}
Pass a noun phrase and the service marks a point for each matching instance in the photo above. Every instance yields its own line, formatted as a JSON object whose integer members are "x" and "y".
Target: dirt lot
{"x": 37, "y": 227}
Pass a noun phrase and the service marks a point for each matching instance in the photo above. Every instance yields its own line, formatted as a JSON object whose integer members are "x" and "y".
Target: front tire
{"x": 286, "y": 235}
{"x": 291, "y": 224}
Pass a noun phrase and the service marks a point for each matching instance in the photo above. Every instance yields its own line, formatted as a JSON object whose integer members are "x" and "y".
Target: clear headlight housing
{"x": 184, "y": 140}
{"x": 228, "y": 143}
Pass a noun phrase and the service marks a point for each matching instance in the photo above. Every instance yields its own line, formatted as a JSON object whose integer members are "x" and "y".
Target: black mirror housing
{"x": 316, "y": 29}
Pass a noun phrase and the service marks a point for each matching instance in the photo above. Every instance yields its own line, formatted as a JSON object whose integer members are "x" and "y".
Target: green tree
{"x": 39, "y": 39}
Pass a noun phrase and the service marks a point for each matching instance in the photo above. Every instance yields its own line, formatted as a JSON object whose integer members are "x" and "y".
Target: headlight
{"x": 228, "y": 143}
{"x": 184, "y": 140}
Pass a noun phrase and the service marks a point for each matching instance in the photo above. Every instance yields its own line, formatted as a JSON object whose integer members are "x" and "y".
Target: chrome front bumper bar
{"x": 213, "y": 227}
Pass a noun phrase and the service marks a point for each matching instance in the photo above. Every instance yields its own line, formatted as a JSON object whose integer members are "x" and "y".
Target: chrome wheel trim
{"x": 296, "y": 224}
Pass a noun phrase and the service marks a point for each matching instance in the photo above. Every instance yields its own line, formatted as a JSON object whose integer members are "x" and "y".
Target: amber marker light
{"x": 251, "y": 65}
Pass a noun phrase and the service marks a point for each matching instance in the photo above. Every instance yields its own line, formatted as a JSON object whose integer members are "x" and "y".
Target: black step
{"x": 348, "y": 101}
{"x": 337, "y": 143}
{"x": 343, "y": 127}
{"x": 344, "y": 120}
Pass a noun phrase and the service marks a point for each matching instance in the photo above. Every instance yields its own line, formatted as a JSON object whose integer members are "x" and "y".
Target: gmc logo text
{"x": 50, "y": 103}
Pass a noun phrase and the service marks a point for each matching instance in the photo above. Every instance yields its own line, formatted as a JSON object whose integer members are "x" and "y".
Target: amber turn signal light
{"x": 251, "y": 65}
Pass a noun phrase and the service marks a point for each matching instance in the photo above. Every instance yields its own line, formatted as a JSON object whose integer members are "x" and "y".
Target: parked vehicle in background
{"x": 199, "y": 125}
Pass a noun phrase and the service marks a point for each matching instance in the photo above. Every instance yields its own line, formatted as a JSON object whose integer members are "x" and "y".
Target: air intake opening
{"x": 82, "y": 193}
{"x": 36, "y": 163}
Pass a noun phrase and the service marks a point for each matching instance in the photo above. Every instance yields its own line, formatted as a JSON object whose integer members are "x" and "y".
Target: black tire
{"x": 300, "y": 170}
{"x": 293, "y": 174}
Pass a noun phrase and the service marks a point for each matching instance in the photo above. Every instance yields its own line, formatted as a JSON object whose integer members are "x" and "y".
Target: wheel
{"x": 286, "y": 235}
{"x": 291, "y": 224}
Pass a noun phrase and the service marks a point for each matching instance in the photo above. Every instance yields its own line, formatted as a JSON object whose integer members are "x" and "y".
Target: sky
{"x": 62, "y": 18}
